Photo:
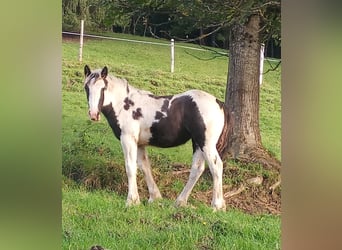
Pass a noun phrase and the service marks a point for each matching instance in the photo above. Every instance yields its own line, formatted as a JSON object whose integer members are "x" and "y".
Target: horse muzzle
{"x": 94, "y": 116}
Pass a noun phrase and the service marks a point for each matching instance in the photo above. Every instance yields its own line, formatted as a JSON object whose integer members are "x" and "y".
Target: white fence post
{"x": 81, "y": 41}
{"x": 262, "y": 49}
{"x": 172, "y": 55}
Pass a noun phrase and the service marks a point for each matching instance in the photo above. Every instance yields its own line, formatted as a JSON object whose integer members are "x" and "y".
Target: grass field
{"x": 94, "y": 179}
{"x": 101, "y": 218}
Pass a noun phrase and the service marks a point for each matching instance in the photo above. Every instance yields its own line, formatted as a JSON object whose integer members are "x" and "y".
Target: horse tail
{"x": 222, "y": 143}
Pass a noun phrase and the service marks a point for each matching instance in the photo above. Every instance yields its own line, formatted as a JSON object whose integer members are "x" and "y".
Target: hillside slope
{"x": 93, "y": 157}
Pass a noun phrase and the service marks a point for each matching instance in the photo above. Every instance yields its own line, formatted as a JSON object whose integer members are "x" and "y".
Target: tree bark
{"x": 242, "y": 94}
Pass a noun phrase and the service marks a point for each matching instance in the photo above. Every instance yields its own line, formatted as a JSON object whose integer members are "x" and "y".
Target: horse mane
{"x": 125, "y": 84}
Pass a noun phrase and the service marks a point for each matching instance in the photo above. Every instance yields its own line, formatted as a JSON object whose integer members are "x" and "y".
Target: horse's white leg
{"x": 129, "y": 147}
{"x": 144, "y": 165}
{"x": 197, "y": 169}
{"x": 216, "y": 169}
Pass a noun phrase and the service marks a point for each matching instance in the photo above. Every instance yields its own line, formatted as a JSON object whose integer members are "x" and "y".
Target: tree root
{"x": 255, "y": 180}
{"x": 259, "y": 155}
{"x": 234, "y": 192}
{"x": 275, "y": 185}
{"x": 181, "y": 172}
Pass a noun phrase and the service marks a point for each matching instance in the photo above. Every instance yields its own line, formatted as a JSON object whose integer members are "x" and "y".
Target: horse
{"x": 139, "y": 118}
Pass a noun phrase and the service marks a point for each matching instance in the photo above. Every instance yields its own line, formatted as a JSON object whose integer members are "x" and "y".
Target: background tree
{"x": 250, "y": 24}
{"x": 94, "y": 12}
{"x": 197, "y": 21}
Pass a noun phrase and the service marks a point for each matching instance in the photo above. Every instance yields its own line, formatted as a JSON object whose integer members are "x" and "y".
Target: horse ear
{"x": 87, "y": 71}
{"x": 104, "y": 72}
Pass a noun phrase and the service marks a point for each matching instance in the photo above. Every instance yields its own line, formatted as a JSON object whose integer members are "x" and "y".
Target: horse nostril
{"x": 94, "y": 116}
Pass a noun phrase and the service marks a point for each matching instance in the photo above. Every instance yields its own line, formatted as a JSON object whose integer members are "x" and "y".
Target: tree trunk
{"x": 242, "y": 95}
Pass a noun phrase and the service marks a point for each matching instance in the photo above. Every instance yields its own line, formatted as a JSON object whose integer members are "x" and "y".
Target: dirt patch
{"x": 249, "y": 194}
{"x": 257, "y": 201}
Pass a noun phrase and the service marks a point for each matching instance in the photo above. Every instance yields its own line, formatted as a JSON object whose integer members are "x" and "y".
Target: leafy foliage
{"x": 191, "y": 20}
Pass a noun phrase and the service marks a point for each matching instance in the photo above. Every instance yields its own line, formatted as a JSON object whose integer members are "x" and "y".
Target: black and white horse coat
{"x": 139, "y": 119}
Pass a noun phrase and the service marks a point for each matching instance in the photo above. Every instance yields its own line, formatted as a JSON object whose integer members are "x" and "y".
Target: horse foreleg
{"x": 197, "y": 169}
{"x": 129, "y": 147}
{"x": 145, "y": 166}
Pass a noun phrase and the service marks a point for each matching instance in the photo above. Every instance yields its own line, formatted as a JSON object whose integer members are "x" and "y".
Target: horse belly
{"x": 164, "y": 134}
{"x": 144, "y": 136}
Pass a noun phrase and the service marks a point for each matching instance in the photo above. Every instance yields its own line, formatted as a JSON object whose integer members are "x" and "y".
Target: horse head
{"x": 95, "y": 85}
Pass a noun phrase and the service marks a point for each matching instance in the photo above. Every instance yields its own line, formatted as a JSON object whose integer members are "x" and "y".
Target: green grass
{"x": 101, "y": 218}
{"x": 93, "y": 158}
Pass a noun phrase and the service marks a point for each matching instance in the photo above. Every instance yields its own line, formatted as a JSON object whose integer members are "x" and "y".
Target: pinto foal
{"x": 139, "y": 119}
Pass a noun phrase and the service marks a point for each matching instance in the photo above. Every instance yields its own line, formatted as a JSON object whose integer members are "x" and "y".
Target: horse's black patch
{"x": 110, "y": 115}
{"x": 158, "y": 115}
{"x": 101, "y": 99}
{"x": 127, "y": 89}
{"x": 128, "y": 103}
{"x": 136, "y": 114}
{"x": 161, "y": 96}
{"x": 86, "y": 88}
{"x": 165, "y": 105}
{"x": 183, "y": 121}
{"x": 105, "y": 82}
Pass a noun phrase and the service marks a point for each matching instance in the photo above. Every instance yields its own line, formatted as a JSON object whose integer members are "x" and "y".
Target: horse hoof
{"x": 219, "y": 208}
{"x": 130, "y": 203}
{"x": 152, "y": 199}
{"x": 181, "y": 203}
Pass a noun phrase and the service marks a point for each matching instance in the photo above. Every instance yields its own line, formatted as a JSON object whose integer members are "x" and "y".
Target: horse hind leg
{"x": 145, "y": 167}
{"x": 216, "y": 168}
{"x": 197, "y": 168}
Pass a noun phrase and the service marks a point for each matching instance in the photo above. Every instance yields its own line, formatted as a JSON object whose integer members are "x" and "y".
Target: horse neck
{"x": 120, "y": 89}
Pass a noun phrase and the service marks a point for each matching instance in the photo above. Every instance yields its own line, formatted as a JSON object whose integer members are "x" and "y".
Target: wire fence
{"x": 172, "y": 45}
{"x": 135, "y": 41}
{"x": 154, "y": 43}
